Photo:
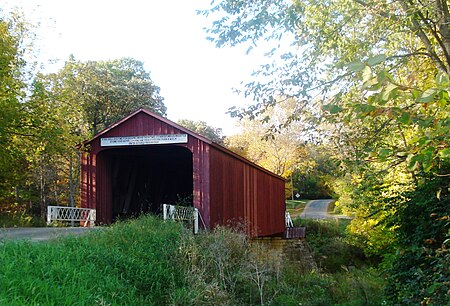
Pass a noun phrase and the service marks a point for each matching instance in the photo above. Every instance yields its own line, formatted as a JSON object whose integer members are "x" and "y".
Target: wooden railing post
{"x": 195, "y": 221}
{"x": 164, "y": 212}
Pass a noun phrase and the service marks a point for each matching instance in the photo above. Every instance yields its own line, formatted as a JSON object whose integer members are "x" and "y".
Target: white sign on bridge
{"x": 143, "y": 140}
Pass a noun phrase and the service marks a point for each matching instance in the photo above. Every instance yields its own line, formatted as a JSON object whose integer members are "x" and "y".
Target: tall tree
{"x": 29, "y": 133}
{"x": 102, "y": 92}
{"x": 12, "y": 92}
{"x": 329, "y": 49}
{"x": 280, "y": 150}
{"x": 202, "y": 128}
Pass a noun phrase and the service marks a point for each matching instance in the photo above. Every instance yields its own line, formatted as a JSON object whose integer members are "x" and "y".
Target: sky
{"x": 196, "y": 78}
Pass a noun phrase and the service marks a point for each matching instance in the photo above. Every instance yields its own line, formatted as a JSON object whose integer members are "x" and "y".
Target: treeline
{"x": 44, "y": 116}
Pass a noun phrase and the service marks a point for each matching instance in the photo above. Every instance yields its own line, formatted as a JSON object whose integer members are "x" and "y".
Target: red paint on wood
{"x": 244, "y": 194}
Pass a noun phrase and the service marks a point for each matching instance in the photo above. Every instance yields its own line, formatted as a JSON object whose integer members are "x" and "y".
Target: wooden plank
{"x": 295, "y": 233}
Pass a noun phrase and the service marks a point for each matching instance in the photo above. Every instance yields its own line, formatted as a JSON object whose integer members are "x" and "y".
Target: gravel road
{"x": 37, "y": 234}
{"x": 317, "y": 209}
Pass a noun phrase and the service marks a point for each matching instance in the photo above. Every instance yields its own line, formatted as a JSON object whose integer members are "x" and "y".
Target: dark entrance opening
{"x": 144, "y": 178}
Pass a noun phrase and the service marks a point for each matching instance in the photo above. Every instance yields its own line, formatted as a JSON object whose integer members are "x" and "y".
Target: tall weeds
{"x": 149, "y": 262}
{"x": 129, "y": 263}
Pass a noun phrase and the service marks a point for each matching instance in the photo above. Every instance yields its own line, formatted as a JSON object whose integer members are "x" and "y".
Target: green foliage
{"x": 365, "y": 286}
{"x": 333, "y": 247}
{"x": 319, "y": 46}
{"x": 376, "y": 85}
{"x": 417, "y": 114}
{"x": 316, "y": 181}
{"x": 217, "y": 266}
{"x": 102, "y": 92}
{"x": 147, "y": 262}
{"x": 358, "y": 287}
{"x": 15, "y": 215}
{"x": 379, "y": 71}
{"x": 421, "y": 263}
{"x": 373, "y": 198}
{"x": 311, "y": 185}
{"x": 200, "y": 127}
{"x": 406, "y": 222}
{"x": 12, "y": 89}
{"x": 226, "y": 269}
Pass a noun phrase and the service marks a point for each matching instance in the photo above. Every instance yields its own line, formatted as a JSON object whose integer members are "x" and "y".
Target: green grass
{"x": 357, "y": 288}
{"x": 149, "y": 262}
{"x": 122, "y": 265}
{"x": 296, "y": 207}
{"x": 332, "y": 249}
{"x": 331, "y": 208}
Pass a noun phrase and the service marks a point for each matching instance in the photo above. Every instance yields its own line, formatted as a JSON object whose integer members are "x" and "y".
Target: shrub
{"x": 331, "y": 248}
{"x": 419, "y": 272}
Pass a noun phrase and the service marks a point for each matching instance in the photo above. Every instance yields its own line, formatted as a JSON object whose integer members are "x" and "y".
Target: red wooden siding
{"x": 243, "y": 193}
{"x": 96, "y": 187}
{"x": 226, "y": 187}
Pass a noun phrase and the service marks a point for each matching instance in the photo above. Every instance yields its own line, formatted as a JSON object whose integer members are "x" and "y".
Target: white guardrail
{"x": 181, "y": 213}
{"x": 63, "y": 213}
{"x": 288, "y": 220}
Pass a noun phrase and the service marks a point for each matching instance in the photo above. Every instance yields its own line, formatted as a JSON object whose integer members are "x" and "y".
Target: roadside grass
{"x": 331, "y": 208}
{"x": 356, "y": 288}
{"x": 296, "y": 207}
{"x": 149, "y": 262}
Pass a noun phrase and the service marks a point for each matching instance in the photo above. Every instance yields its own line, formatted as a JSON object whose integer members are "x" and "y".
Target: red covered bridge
{"x": 144, "y": 160}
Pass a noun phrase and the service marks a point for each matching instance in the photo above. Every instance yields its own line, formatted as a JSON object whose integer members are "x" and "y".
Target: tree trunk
{"x": 43, "y": 197}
